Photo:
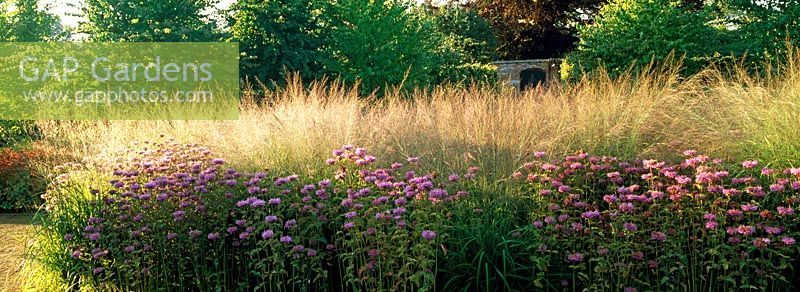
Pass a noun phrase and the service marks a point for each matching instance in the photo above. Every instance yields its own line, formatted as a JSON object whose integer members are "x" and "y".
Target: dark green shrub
{"x": 380, "y": 44}
{"x": 468, "y": 31}
{"x": 466, "y": 46}
{"x": 277, "y": 38}
{"x": 764, "y": 27}
{"x": 635, "y": 33}
{"x": 16, "y": 132}
{"x": 143, "y": 21}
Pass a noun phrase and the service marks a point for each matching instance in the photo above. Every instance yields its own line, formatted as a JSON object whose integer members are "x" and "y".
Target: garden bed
{"x": 172, "y": 216}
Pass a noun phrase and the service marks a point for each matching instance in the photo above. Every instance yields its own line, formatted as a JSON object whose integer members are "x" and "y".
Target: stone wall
{"x": 509, "y": 71}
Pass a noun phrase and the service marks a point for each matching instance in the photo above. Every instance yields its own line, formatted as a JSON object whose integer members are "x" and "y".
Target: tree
{"x": 637, "y": 32}
{"x": 147, "y": 21}
{"x": 471, "y": 32}
{"x": 26, "y": 22}
{"x": 763, "y": 26}
{"x": 277, "y": 37}
{"x": 380, "y": 43}
{"x": 465, "y": 45}
{"x": 530, "y": 29}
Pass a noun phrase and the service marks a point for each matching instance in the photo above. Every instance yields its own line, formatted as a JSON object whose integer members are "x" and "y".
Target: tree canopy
{"x": 28, "y": 22}
{"x": 538, "y": 29}
{"x": 147, "y": 21}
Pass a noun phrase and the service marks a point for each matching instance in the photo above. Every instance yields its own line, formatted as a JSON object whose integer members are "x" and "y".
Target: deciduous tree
{"x": 147, "y": 21}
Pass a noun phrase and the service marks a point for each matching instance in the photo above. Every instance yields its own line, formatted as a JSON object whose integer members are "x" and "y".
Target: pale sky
{"x": 63, "y": 8}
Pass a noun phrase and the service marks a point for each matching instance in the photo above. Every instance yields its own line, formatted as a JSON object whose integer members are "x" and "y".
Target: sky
{"x": 63, "y": 8}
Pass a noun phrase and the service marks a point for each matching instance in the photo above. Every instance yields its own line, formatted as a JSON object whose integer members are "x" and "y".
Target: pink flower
{"x": 785, "y": 211}
{"x": 771, "y": 230}
{"x": 749, "y": 207}
{"x": 658, "y": 236}
{"x": 734, "y": 213}
{"x": 750, "y": 164}
{"x": 267, "y": 234}
{"x": 428, "y": 234}
{"x": 776, "y": 188}
{"x": 761, "y": 242}
{"x": 602, "y": 251}
{"x": 682, "y": 179}
{"x": 711, "y": 225}
{"x": 577, "y": 226}
{"x": 591, "y": 214}
{"x": 788, "y": 240}
{"x": 575, "y": 257}
{"x": 745, "y": 230}
{"x": 549, "y": 167}
{"x": 629, "y": 226}
{"x": 652, "y": 264}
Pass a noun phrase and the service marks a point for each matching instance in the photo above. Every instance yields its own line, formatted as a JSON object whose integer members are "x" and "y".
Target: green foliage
{"x": 467, "y": 30}
{"x": 764, "y": 27}
{"x": 635, "y": 32}
{"x": 28, "y": 23}
{"x": 277, "y": 37}
{"x": 147, "y": 21}
{"x": 380, "y": 44}
{"x": 477, "y": 73}
{"x": 16, "y": 132}
{"x": 485, "y": 253}
{"x": 466, "y": 46}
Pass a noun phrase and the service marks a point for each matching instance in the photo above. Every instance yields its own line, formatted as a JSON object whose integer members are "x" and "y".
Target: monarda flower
{"x": 575, "y": 257}
{"x": 771, "y": 230}
{"x": 745, "y": 230}
{"x": 750, "y": 164}
{"x": 658, "y": 236}
{"x": 428, "y": 234}
{"x": 629, "y": 226}
{"x": 761, "y": 242}
{"x": 785, "y": 211}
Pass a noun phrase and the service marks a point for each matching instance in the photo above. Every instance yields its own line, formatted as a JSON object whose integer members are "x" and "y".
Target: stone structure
{"x": 532, "y": 72}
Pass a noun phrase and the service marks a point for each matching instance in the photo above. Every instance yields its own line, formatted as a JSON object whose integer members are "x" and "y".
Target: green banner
{"x": 119, "y": 81}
